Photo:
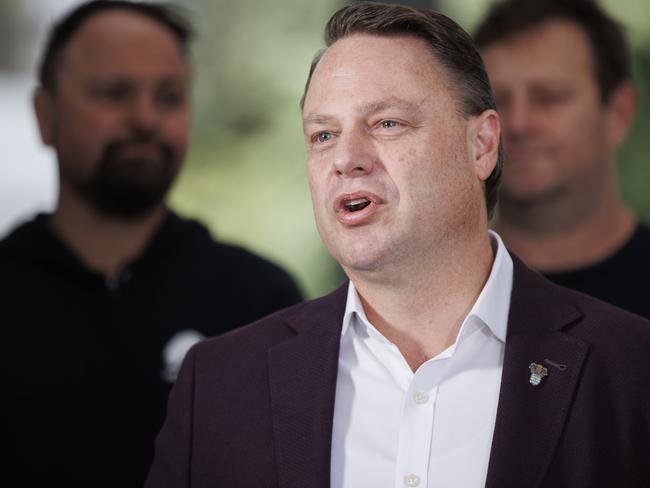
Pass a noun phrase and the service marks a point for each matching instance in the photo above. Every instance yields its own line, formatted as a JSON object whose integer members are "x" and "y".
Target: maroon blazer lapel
{"x": 302, "y": 376}
{"x": 530, "y": 418}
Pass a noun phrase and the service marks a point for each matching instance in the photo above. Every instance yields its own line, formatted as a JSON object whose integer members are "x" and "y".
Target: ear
{"x": 621, "y": 108}
{"x": 44, "y": 110}
{"x": 484, "y": 132}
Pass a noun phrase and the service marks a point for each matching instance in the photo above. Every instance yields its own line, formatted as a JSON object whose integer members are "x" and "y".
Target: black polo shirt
{"x": 622, "y": 279}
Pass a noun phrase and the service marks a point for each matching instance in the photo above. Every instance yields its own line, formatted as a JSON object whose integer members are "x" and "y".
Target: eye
{"x": 324, "y": 136}
{"x": 171, "y": 98}
{"x": 550, "y": 97}
{"x": 114, "y": 92}
{"x": 389, "y": 124}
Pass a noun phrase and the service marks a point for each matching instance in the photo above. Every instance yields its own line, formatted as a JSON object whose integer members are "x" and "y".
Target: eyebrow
{"x": 365, "y": 109}
{"x": 317, "y": 119}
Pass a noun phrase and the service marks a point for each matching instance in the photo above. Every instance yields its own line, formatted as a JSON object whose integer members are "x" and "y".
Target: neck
{"x": 421, "y": 310}
{"x": 566, "y": 233}
{"x": 103, "y": 243}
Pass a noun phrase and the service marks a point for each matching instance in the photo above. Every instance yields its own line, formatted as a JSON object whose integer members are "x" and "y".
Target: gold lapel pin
{"x": 537, "y": 373}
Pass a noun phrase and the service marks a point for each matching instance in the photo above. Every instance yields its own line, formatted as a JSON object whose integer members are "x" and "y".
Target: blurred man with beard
{"x": 101, "y": 299}
{"x": 561, "y": 74}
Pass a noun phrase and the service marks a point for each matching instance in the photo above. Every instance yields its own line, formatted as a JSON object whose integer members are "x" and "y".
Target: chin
{"x": 530, "y": 184}
{"x": 361, "y": 248}
{"x": 360, "y": 257}
{"x": 530, "y": 194}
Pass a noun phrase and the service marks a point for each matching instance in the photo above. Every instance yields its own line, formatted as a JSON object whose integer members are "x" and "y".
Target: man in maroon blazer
{"x": 444, "y": 361}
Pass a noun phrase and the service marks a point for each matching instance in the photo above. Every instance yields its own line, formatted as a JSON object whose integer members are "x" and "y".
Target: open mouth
{"x": 357, "y": 208}
{"x": 356, "y": 204}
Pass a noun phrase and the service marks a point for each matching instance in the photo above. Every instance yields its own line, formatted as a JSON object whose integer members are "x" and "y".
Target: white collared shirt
{"x": 432, "y": 428}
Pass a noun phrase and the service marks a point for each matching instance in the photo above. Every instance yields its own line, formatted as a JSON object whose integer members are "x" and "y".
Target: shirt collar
{"x": 493, "y": 303}
{"x": 353, "y": 307}
{"x": 491, "y": 307}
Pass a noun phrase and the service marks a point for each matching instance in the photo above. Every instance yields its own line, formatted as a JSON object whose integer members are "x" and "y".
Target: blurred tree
{"x": 246, "y": 175}
{"x": 634, "y": 167}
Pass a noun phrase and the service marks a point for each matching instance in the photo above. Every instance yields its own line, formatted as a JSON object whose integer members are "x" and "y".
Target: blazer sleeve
{"x": 173, "y": 447}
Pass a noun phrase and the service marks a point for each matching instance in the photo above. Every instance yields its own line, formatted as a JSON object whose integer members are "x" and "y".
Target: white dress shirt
{"x": 432, "y": 428}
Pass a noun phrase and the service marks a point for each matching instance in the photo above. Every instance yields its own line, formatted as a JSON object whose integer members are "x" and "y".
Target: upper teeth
{"x": 357, "y": 204}
{"x": 356, "y": 201}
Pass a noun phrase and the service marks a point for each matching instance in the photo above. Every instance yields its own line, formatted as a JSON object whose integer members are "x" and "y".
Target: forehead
{"x": 122, "y": 41}
{"x": 362, "y": 69}
{"x": 555, "y": 50}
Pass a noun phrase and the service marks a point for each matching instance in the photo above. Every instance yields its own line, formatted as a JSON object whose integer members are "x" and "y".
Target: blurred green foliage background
{"x": 246, "y": 176}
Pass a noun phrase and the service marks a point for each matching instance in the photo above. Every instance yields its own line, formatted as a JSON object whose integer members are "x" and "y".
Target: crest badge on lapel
{"x": 537, "y": 373}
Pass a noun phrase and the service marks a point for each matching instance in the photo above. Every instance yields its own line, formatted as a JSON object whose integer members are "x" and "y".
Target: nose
{"x": 143, "y": 113}
{"x": 355, "y": 155}
{"x": 518, "y": 117}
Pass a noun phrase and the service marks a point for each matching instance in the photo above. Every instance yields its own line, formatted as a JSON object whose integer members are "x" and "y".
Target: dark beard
{"x": 128, "y": 187}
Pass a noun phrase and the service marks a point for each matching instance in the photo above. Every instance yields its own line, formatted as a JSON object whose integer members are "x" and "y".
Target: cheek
{"x": 583, "y": 140}
{"x": 87, "y": 132}
{"x": 177, "y": 130}
{"x": 319, "y": 203}
{"x": 85, "y": 138}
{"x": 443, "y": 183}
{"x": 435, "y": 163}
{"x": 579, "y": 121}
{"x": 312, "y": 176}
{"x": 316, "y": 182}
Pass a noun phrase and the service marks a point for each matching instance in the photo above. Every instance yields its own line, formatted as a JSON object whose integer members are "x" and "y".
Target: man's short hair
{"x": 611, "y": 53}
{"x": 62, "y": 32}
{"x": 450, "y": 45}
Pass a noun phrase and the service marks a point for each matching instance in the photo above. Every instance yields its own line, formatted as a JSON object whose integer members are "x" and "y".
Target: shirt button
{"x": 411, "y": 480}
{"x": 420, "y": 397}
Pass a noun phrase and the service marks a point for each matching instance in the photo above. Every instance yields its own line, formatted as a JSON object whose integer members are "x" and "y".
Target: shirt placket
{"x": 416, "y": 426}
